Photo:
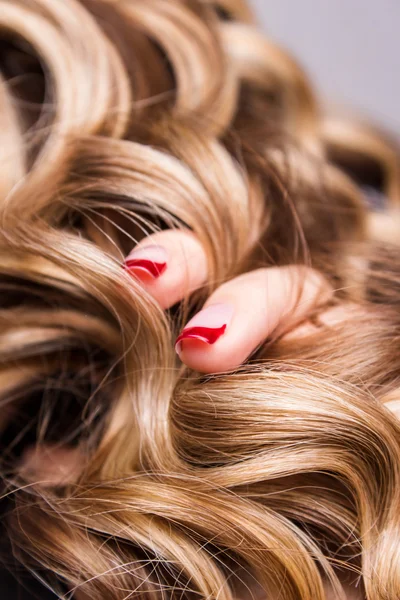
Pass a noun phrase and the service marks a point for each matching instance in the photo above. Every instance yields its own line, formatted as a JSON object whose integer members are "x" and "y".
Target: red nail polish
{"x": 152, "y": 268}
{"x": 148, "y": 261}
{"x": 207, "y": 326}
{"x": 205, "y": 334}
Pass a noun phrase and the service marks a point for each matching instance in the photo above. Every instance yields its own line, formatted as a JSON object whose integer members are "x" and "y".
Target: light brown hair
{"x": 281, "y": 480}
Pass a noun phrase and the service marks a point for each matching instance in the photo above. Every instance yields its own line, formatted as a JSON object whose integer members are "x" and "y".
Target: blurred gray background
{"x": 350, "y": 48}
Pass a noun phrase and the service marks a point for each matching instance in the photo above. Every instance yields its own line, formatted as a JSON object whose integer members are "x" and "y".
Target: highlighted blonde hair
{"x": 280, "y": 480}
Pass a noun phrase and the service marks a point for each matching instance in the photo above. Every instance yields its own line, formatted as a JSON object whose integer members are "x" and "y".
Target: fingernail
{"x": 207, "y": 326}
{"x": 148, "y": 261}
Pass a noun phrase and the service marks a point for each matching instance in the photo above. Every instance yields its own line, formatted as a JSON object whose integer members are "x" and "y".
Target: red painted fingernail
{"x": 207, "y": 326}
{"x": 150, "y": 261}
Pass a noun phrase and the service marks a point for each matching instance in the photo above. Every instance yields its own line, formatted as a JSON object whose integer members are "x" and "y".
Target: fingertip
{"x": 169, "y": 264}
{"x": 201, "y": 357}
{"x": 147, "y": 263}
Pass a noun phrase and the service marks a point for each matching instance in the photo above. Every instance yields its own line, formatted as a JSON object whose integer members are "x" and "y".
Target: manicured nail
{"x": 207, "y": 326}
{"x": 148, "y": 261}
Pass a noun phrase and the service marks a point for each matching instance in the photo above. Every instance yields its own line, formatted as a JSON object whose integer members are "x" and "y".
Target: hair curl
{"x": 119, "y": 118}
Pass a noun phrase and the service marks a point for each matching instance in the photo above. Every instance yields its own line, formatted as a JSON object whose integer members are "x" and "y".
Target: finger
{"x": 244, "y": 312}
{"x": 169, "y": 264}
{"x": 331, "y": 317}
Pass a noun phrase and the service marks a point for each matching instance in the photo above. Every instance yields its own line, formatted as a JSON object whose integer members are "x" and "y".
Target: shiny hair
{"x": 281, "y": 479}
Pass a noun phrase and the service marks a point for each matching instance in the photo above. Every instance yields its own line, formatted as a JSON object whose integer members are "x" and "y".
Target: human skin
{"x": 239, "y": 315}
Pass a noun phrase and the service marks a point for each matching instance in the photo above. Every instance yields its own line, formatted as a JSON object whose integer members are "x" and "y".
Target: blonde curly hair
{"x": 280, "y": 480}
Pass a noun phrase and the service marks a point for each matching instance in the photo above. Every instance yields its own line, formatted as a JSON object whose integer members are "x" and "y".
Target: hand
{"x": 240, "y": 315}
